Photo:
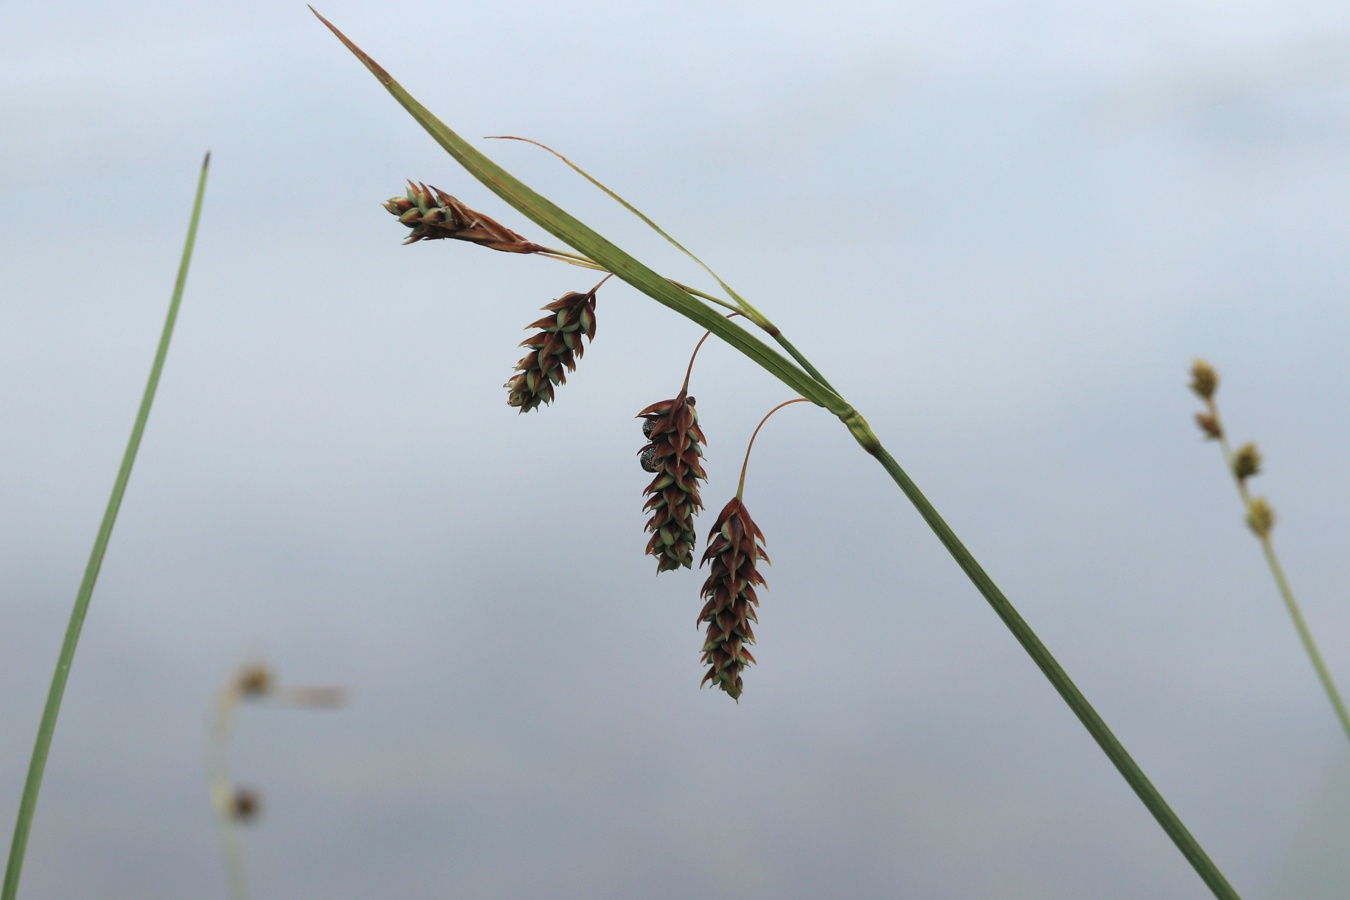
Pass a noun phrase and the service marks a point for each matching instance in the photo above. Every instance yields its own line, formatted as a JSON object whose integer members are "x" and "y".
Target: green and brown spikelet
{"x": 673, "y": 452}
{"x": 735, "y": 546}
{"x": 555, "y": 347}
{"x": 432, "y": 214}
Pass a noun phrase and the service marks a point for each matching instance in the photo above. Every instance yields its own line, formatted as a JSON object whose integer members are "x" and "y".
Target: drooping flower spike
{"x": 555, "y": 347}
{"x": 673, "y": 453}
{"x": 432, "y": 214}
{"x": 735, "y": 547}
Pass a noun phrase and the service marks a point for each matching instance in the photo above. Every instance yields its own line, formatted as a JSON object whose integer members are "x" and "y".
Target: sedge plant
{"x": 47, "y": 727}
{"x": 1242, "y": 464}
{"x": 593, "y": 250}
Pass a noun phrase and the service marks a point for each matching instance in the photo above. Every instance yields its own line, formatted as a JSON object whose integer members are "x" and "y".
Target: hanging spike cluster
{"x": 673, "y": 452}
{"x": 433, "y": 214}
{"x": 735, "y": 546}
{"x": 554, "y": 348}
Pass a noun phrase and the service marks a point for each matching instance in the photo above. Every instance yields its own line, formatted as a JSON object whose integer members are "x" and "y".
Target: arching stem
{"x": 740, "y": 488}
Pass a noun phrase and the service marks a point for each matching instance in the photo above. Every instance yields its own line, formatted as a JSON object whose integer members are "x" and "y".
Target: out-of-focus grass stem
{"x": 1281, "y": 582}
{"x": 222, "y": 789}
{"x": 47, "y": 727}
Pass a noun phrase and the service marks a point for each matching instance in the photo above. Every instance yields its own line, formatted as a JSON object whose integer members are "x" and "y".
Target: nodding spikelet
{"x": 554, "y": 348}
{"x": 673, "y": 453}
{"x": 735, "y": 546}
{"x": 432, "y": 214}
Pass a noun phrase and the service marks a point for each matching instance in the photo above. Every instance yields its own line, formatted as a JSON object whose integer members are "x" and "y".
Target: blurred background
{"x": 1002, "y": 230}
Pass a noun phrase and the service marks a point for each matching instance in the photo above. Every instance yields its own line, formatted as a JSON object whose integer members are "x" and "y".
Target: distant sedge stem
{"x": 740, "y": 488}
{"x": 1290, "y": 604}
{"x": 222, "y": 790}
{"x": 598, "y": 248}
{"x": 1323, "y": 674}
{"x": 38, "y": 764}
{"x": 1049, "y": 666}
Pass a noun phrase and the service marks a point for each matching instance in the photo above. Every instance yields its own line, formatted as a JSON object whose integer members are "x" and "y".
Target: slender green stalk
{"x": 1290, "y": 604}
{"x": 1096, "y": 726}
{"x": 802, "y": 379}
{"x": 47, "y": 726}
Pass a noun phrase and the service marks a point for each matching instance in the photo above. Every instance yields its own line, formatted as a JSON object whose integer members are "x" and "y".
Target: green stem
{"x": 1290, "y": 604}
{"x": 1308, "y": 644}
{"x": 47, "y": 727}
{"x": 1050, "y": 667}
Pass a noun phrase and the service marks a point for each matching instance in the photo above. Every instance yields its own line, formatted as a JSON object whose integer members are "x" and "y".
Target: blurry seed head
{"x": 255, "y": 680}
{"x": 1209, "y": 424}
{"x": 1260, "y": 517}
{"x": 1246, "y": 462}
{"x": 246, "y": 805}
{"x": 1204, "y": 380}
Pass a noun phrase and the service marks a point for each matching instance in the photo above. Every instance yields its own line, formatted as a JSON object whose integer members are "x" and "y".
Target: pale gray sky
{"x": 1003, "y": 231}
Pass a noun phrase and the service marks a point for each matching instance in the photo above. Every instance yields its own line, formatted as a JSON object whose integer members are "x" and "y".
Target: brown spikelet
{"x": 735, "y": 546}
{"x": 554, "y": 348}
{"x": 673, "y": 452}
{"x": 1209, "y": 424}
{"x": 432, "y": 214}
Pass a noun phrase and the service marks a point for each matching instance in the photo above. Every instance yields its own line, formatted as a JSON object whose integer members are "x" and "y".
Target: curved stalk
{"x": 740, "y": 488}
{"x": 47, "y": 727}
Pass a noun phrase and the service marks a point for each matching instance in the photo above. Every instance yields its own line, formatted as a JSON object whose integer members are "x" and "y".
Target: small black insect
{"x": 649, "y": 425}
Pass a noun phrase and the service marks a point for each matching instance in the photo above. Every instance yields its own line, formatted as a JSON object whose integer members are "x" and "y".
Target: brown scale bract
{"x": 735, "y": 546}
{"x": 554, "y": 350}
{"x": 446, "y": 217}
{"x": 674, "y": 452}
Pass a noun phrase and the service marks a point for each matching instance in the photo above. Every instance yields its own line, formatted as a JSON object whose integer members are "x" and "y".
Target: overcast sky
{"x": 1001, "y": 230}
